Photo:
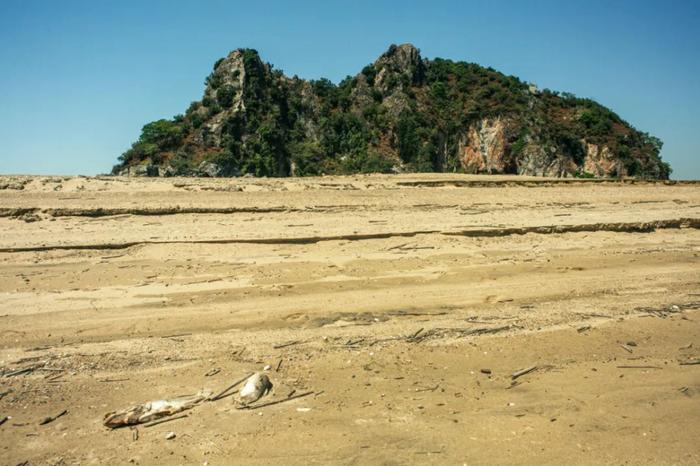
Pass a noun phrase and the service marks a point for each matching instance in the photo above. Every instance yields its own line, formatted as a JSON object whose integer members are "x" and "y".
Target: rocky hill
{"x": 402, "y": 113}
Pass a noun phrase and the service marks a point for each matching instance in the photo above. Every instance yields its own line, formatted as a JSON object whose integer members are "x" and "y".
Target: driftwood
{"x": 49, "y": 419}
{"x": 639, "y": 367}
{"x": 235, "y": 384}
{"x": 413, "y": 336}
{"x": 24, "y": 370}
{"x": 416, "y": 314}
{"x": 29, "y": 359}
{"x": 177, "y": 335}
{"x": 483, "y": 330}
{"x": 381, "y": 340}
{"x": 438, "y": 332}
{"x": 428, "y": 389}
{"x": 665, "y": 311}
{"x": 459, "y": 332}
{"x": 522, "y": 372}
{"x": 690, "y": 363}
{"x": 40, "y": 348}
{"x": 594, "y": 314}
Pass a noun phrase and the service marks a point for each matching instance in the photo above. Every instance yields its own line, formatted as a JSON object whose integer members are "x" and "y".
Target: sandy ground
{"x": 404, "y": 303}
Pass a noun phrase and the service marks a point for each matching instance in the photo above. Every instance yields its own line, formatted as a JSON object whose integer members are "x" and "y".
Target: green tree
{"x": 163, "y": 133}
{"x": 407, "y": 136}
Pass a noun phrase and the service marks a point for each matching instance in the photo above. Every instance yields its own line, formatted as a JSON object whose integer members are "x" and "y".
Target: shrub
{"x": 225, "y": 95}
{"x": 367, "y": 162}
{"x": 307, "y": 158}
{"x": 370, "y": 73}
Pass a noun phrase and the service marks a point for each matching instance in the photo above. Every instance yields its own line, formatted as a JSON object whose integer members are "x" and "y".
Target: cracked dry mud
{"x": 405, "y": 303}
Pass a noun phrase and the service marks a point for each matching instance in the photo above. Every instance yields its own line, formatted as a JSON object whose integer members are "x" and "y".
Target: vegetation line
{"x": 401, "y": 113}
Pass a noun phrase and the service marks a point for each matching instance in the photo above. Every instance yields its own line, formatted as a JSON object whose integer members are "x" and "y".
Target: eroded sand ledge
{"x": 395, "y": 292}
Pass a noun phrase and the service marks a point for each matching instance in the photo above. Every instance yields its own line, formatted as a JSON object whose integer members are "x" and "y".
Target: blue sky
{"x": 80, "y": 78}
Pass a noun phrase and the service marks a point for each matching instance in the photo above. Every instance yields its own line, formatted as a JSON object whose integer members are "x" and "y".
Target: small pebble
{"x": 170, "y": 436}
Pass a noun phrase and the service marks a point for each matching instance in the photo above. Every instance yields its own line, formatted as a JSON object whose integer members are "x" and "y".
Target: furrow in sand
{"x": 162, "y": 211}
{"x": 623, "y": 227}
{"x": 146, "y": 211}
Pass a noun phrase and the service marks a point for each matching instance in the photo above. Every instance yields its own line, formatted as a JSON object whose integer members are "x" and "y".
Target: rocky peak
{"x": 231, "y": 71}
{"x": 400, "y": 57}
{"x": 402, "y": 61}
{"x": 225, "y": 92}
{"x": 230, "y": 63}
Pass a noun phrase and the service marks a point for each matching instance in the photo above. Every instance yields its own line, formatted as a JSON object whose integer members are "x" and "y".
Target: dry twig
{"x": 270, "y": 403}
{"x": 284, "y": 345}
{"x": 161, "y": 421}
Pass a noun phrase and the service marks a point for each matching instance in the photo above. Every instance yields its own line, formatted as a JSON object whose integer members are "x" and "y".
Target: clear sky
{"x": 78, "y": 79}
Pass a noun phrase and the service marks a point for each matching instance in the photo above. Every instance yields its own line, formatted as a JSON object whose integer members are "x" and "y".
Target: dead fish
{"x": 257, "y": 386}
{"x": 152, "y": 410}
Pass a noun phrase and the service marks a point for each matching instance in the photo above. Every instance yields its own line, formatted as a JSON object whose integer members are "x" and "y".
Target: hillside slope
{"x": 402, "y": 113}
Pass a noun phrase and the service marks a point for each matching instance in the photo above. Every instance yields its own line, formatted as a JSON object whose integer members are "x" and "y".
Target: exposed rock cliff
{"x": 484, "y": 149}
{"x": 401, "y": 113}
